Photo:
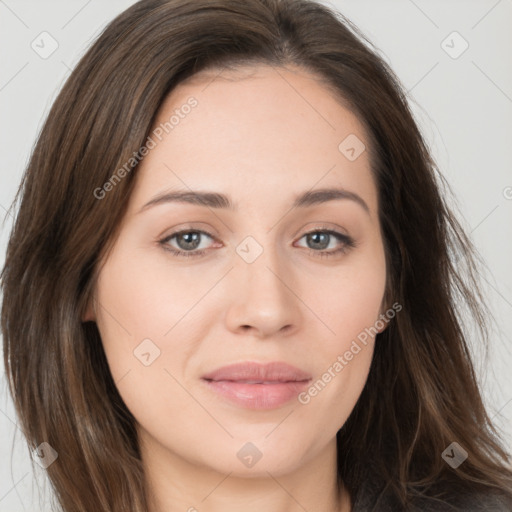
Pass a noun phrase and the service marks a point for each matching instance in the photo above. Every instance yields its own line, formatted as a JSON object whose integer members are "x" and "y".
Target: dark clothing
{"x": 453, "y": 500}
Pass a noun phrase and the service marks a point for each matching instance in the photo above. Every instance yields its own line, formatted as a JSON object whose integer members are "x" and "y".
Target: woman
{"x": 236, "y": 256}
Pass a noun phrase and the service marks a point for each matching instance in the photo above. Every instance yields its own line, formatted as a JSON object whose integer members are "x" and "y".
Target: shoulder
{"x": 441, "y": 498}
{"x": 465, "y": 501}
{"x": 480, "y": 501}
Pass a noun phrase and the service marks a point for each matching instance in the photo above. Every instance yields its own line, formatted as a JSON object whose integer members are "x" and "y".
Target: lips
{"x": 258, "y": 373}
{"x": 257, "y": 386}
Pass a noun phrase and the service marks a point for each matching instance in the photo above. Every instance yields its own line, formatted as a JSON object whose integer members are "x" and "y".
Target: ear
{"x": 383, "y": 321}
{"x": 90, "y": 312}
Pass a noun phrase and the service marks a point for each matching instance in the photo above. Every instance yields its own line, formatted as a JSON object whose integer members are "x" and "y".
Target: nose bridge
{"x": 263, "y": 299}
{"x": 259, "y": 265}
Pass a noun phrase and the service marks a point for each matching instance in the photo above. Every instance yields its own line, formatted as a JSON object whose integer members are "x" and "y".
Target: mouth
{"x": 257, "y": 386}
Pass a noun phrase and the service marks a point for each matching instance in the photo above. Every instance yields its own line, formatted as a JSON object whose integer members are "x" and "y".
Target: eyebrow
{"x": 218, "y": 200}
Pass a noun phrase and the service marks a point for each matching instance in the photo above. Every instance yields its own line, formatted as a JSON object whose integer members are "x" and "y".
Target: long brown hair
{"x": 421, "y": 394}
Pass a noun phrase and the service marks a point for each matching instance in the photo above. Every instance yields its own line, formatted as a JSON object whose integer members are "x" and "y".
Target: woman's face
{"x": 250, "y": 284}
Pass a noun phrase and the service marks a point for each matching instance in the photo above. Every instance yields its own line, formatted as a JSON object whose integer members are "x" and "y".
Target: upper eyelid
{"x": 188, "y": 230}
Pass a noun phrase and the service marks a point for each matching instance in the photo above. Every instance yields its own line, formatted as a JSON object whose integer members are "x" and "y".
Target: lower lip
{"x": 257, "y": 396}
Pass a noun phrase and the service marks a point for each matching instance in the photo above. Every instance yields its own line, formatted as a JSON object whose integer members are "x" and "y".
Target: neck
{"x": 177, "y": 485}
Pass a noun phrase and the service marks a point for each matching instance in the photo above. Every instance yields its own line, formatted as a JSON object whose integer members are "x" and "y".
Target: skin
{"x": 262, "y": 136}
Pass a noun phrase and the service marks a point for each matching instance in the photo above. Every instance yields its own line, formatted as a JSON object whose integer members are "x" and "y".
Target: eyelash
{"x": 348, "y": 243}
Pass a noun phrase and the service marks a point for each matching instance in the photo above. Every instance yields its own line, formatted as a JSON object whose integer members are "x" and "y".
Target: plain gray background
{"x": 462, "y": 101}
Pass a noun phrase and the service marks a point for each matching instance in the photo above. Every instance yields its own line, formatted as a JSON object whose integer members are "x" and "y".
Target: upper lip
{"x": 259, "y": 372}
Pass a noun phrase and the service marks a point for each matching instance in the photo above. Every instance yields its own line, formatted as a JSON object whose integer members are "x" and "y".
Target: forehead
{"x": 255, "y": 131}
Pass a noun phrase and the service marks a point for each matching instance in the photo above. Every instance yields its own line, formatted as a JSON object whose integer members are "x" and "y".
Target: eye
{"x": 321, "y": 239}
{"x": 188, "y": 242}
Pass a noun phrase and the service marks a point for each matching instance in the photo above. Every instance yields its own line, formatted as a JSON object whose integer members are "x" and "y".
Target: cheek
{"x": 141, "y": 298}
{"x": 349, "y": 307}
{"x": 139, "y": 317}
{"x": 350, "y": 302}
{"x": 151, "y": 320}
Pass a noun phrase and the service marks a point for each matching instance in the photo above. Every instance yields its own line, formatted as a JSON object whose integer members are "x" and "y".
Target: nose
{"x": 266, "y": 298}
